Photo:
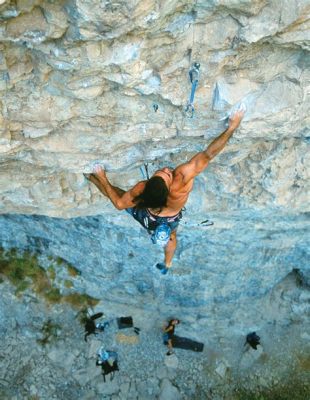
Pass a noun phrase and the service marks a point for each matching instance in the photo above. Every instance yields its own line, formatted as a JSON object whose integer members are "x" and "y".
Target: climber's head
{"x": 155, "y": 193}
{"x": 174, "y": 322}
{"x": 166, "y": 174}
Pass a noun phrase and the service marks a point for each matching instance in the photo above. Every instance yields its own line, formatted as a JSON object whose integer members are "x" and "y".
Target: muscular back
{"x": 178, "y": 194}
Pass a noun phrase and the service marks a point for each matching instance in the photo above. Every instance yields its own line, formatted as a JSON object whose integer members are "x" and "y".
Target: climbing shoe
{"x": 162, "y": 267}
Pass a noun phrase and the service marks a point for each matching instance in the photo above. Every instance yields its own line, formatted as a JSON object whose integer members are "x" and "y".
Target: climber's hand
{"x": 235, "y": 119}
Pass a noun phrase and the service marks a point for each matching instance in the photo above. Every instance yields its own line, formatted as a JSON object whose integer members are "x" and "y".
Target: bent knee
{"x": 173, "y": 235}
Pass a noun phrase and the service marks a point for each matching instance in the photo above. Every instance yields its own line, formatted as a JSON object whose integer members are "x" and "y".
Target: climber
{"x": 157, "y": 203}
{"x": 169, "y": 332}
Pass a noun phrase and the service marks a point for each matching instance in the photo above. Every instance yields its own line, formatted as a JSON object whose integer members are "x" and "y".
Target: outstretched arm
{"x": 118, "y": 197}
{"x": 201, "y": 160}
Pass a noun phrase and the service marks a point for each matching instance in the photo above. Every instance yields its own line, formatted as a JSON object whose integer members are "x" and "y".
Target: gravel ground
{"x": 64, "y": 367}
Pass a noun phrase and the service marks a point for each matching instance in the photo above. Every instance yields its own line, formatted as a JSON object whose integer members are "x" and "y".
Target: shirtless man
{"x": 157, "y": 203}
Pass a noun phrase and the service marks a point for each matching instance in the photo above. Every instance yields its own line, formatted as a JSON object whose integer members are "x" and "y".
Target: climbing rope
{"x": 145, "y": 172}
{"x": 193, "y": 72}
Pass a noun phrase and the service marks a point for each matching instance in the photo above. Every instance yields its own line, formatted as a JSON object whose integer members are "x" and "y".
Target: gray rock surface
{"x": 168, "y": 391}
{"x": 78, "y": 84}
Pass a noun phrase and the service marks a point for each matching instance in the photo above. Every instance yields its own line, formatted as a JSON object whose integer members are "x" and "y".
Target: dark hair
{"x": 173, "y": 319}
{"x": 154, "y": 195}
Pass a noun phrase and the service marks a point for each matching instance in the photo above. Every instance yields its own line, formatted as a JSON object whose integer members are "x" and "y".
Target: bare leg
{"x": 170, "y": 348}
{"x": 170, "y": 249}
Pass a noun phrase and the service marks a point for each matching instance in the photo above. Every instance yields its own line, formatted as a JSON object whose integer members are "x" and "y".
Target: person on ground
{"x": 169, "y": 332}
{"x": 253, "y": 340}
{"x": 157, "y": 203}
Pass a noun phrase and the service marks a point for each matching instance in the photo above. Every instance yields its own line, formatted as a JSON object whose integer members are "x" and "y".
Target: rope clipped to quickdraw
{"x": 194, "y": 78}
{"x": 145, "y": 172}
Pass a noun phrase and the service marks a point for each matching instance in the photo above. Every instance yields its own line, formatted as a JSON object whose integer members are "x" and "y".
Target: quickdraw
{"x": 207, "y": 222}
{"x": 145, "y": 172}
{"x": 194, "y": 77}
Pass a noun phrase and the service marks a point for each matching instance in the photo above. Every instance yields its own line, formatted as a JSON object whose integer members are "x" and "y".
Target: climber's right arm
{"x": 120, "y": 199}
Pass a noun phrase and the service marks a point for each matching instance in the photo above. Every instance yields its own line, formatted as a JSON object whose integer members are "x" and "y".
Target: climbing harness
{"x": 194, "y": 77}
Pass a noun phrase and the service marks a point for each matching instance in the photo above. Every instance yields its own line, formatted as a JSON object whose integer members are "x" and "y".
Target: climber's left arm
{"x": 120, "y": 199}
{"x": 201, "y": 160}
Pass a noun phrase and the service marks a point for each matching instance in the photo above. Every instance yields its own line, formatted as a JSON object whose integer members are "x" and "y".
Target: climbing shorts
{"x": 151, "y": 222}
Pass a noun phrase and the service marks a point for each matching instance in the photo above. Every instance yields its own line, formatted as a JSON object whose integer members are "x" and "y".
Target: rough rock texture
{"x": 78, "y": 83}
{"x": 65, "y": 366}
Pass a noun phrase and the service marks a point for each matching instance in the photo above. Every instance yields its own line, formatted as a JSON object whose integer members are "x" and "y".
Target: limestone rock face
{"x": 79, "y": 81}
{"x": 108, "y": 81}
